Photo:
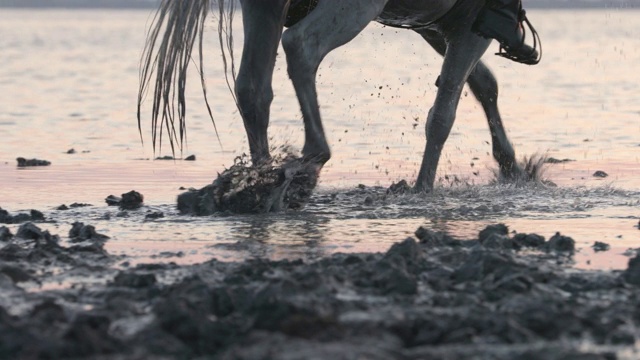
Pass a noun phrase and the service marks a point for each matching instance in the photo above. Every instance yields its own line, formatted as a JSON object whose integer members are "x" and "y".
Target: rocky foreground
{"x": 501, "y": 296}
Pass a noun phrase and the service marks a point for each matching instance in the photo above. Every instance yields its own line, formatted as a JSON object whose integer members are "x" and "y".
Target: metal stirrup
{"x": 536, "y": 42}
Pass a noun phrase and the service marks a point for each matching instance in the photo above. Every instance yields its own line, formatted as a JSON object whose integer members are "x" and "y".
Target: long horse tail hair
{"x": 165, "y": 63}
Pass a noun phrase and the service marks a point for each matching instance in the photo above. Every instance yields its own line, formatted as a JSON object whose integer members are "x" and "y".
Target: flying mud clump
{"x": 284, "y": 183}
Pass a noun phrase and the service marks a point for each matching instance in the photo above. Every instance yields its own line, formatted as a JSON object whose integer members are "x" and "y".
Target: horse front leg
{"x": 263, "y": 24}
{"x": 329, "y": 26}
{"x": 462, "y": 55}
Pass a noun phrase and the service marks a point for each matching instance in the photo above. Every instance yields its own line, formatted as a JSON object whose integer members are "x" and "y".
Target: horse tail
{"x": 174, "y": 32}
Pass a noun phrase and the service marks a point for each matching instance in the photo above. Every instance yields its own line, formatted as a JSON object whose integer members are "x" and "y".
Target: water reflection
{"x": 77, "y": 89}
{"x": 281, "y": 236}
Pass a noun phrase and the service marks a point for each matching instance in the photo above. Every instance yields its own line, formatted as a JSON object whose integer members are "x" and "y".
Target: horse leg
{"x": 329, "y": 26}
{"x": 484, "y": 87}
{"x": 461, "y": 56}
{"x": 263, "y": 24}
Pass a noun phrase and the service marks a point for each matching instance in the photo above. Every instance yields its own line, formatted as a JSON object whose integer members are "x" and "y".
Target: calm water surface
{"x": 69, "y": 80}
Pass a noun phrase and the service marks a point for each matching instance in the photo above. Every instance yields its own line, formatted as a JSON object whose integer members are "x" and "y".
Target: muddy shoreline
{"x": 499, "y": 296}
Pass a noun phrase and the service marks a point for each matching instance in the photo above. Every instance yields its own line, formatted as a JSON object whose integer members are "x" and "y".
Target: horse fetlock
{"x": 315, "y": 156}
{"x": 422, "y": 186}
{"x": 260, "y": 154}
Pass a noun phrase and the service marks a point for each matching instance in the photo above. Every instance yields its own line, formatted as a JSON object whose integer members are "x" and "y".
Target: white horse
{"x": 316, "y": 27}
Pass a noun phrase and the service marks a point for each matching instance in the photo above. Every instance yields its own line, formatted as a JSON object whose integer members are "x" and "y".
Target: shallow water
{"x": 69, "y": 80}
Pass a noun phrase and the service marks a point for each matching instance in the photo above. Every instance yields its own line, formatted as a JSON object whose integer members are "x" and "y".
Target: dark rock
{"x": 48, "y": 312}
{"x": 96, "y": 248}
{"x": 396, "y": 280}
{"x": 5, "y": 233}
{"x": 528, "y": 240}
{"x": 435, "y": 239}
{"x": 154, "y": 215}
{"x": 110, "y": 198}
{"x": 89, "y": 334}
{"x": 156, "y": 267}
{"x": 499, "y": 229}
{"x": 81, "y": 232}
{"x": 113, "y": 200}
{"x": 36, "y": 215}
{"x": 498, "y": 241}
{"x": 16, "y": 274}
{"x": 20, "y": 218}
{"x": 134, "y": 280}
{"x": 78, "y": 205}
{"x": 632, "y": 273}
{"x": 600, "y": 174}
{"x": 131, "y": 200}
{"x": 190, "y": 158}
{"x": 561, "y": 243}
{"x": 22, "y": 162}
{"x": 600, "y": 246}
{"x": 482, "y": 263}
{"x": 5, "y": 217}
{"x": 29, "y": 231}
{"x": 407, "y": 250}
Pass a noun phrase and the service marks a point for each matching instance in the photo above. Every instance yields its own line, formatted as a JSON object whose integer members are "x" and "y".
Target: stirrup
{"x": 527, "y": 59}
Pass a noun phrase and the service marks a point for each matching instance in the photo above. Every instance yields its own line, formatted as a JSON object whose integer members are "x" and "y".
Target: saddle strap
{"x": 298, "y": 10}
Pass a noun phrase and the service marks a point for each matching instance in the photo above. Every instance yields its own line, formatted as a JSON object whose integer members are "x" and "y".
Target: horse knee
{"x": 439, "y": 123}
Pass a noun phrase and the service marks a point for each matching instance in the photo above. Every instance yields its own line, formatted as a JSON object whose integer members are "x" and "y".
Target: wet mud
{"x": 168, "y": 157}
{"x": 127, "y": 201}
{"x": 8, "y": 218}
{"x": 500, "y": 296}
{"x": 244, "y": 188}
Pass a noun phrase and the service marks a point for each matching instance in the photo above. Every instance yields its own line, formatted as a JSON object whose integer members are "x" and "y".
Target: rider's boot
{"x": 502, "y": 20}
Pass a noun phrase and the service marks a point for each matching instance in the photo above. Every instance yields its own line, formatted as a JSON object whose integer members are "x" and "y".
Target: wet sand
{"x": 500, "y": 296}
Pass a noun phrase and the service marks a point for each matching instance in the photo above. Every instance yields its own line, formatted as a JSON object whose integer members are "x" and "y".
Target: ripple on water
{"x": 367, "y": 219}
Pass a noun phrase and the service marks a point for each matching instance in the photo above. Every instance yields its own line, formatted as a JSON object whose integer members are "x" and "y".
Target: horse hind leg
{"x": 263, "y": 23}
{"x": 461, "y": 56}
{"x": 329, "y": 26}
{"x": 484, "y": 87}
